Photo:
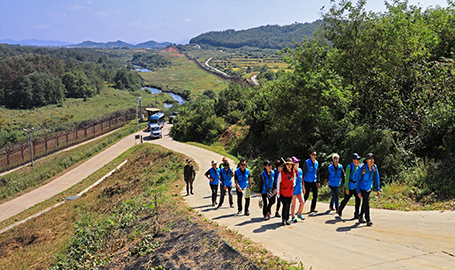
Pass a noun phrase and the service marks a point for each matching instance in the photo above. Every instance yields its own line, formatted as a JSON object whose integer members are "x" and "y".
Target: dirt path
{"x": 406, "y": 240}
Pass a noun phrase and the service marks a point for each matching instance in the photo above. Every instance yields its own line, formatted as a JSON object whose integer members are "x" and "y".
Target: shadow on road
{"x": 269, "y": 226}
{"x": 252, "y": 220}
{"x": 202, "y": 206}
{"x": 348, "y": 228}
{"x": 318, "y": 214}
{"x": 335, "y": 221}
{"x": 225, "y": 216}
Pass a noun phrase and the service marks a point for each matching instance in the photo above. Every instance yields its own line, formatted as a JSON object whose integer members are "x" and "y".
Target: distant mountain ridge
{"x": 264, "y": 37}
{"x": 91, "y": 44}
{"x": 36, "y": 42}
{"x": 115, "y": 44}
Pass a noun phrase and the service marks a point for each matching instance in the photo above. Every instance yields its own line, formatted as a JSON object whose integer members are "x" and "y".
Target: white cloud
{"x": 100, "y": 14}
{"x": 77, "y": 7}
{"x": 41, "y": 26}
{"x": 55, "y": 15}
{"x": 116, "y": 25}
{"x": 89, "y": 2}
{"x": 135, "y": 23}
{"x": 187, "y": 20}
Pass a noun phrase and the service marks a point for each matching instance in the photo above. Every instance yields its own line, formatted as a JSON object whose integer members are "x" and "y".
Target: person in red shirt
{"x": 285, "y": 188}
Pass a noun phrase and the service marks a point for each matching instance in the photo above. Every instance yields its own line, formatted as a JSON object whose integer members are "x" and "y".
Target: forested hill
{"x": 266, "y": 37}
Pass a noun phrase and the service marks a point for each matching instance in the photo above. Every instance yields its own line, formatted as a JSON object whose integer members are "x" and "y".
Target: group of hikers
{"x": 288, "y": 183}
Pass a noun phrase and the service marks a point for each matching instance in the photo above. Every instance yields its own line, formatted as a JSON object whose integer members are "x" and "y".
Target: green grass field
{"x": 183, "y": 75}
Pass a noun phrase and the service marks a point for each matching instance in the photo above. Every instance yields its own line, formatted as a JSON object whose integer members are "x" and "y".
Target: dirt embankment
{"x": 188, "y": 245}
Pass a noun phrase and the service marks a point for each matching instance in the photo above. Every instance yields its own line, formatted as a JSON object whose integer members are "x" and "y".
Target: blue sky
{"x": 175, "y": 21}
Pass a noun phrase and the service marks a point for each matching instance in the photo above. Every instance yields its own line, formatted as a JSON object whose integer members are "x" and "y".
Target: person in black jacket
{"x": 189, "y": 173}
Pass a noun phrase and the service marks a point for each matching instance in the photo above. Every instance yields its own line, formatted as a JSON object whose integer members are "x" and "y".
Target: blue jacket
{"x": 365, "y": 178}
{"x": 215, "y": 175}
{"x": 267, "y": 182}
{"x": 275, "y": 180}
{"x": 335, "y": 175}
{"x": 311, "y": 174}
{"x": 351, "y": 177}
{"x": 242, "y": 177}
{"x": 298, "y": 183}
{"x": 226, "y": 177}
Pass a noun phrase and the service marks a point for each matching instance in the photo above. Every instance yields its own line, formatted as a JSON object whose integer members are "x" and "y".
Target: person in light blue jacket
{"x": 367, "y": 175}
{"x": 213, "y": 174}
{"x": 226, "y": 175}
{"x": 334, "y": 174}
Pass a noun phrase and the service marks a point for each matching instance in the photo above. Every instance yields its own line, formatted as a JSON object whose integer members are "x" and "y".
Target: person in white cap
{"x": 213, "y": 174}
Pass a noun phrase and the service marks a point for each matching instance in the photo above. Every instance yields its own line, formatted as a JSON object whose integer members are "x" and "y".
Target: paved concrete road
{"x": 397, "y": 240}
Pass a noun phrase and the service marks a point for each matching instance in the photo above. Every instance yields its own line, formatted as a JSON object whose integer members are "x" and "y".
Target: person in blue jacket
{"x": 267, "y": 190}
{"x": 311, "y": 179}
{"x": 350, "y": 186}
{"x": 242, "y": 179}
{"x": 226, "y": 174}
{"x": 298, "y": 192}
{"x": 367, "y": 175}
{"x": 334, "y": 174}
{"x": 213, "y": 174}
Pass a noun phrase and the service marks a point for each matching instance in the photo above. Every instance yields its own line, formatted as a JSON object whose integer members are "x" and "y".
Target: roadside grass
{"x": 48, "y": 168}
{"x": 73, "y": 111}
{"x": 394, "y": 196}
{"x": 118, "y": 219}
{"x": 65, "y": 230}
{"x": 183, "y": 75}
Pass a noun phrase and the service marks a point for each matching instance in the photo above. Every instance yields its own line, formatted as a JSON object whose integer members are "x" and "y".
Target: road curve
{"x": 404, "y": 240}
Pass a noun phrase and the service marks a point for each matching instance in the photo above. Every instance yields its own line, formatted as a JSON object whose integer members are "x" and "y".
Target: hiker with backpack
{"x": 350, "y": 186}
{"x": 367, "y": 176}
{"x": 267, "y": 190}
{"x": 334, "y": 174}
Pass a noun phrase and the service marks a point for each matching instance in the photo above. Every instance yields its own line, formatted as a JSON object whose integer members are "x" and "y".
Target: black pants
{"x": 239, "y": 201}
{"x": 214, "y": 189}
{"x": 189, "y": 185}
{"x": 223, "y": 193}
{"x": 352, "y": 192}
{"x": 365, "y": 204}
{"x": 286, "y": 201}
{"x": 313, "y": 187}
{"x": 267, "y": 204}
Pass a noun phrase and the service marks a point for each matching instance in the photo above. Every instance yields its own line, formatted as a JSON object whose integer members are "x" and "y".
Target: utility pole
{"x": 31, "y": 145}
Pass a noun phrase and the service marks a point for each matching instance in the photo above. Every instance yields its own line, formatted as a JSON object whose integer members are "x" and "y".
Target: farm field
{"x": 239, "y": 60}
{"x": 183, "y": 74}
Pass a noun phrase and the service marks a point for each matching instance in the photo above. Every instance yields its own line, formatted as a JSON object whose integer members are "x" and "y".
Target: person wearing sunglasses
{"x": 285, "y": 185}
{"x": 311, "y": 179}
{"x": 367, "y": 176}
{"x": 242, "y": 179}
{"x": 333, "y": 175}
